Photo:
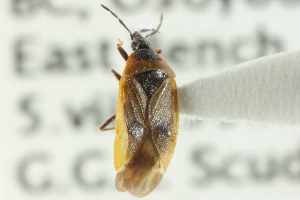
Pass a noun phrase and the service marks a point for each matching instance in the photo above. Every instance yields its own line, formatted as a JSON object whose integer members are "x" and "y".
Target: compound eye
{"x": 134, "y": 45}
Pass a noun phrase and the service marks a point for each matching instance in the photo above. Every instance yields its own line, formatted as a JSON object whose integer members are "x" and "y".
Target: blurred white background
{"x": 56, "y": 90}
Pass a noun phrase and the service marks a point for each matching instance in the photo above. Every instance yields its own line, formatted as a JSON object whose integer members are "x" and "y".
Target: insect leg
{"x": 158, "y": 51}
{"x": 112, "y": 118}
{"x": 116, "y": 74}
{"x": 122, "y": 51}
{"x": 108, "y": 121}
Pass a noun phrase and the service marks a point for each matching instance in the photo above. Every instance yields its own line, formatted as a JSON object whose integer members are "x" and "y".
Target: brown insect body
{"x": 146, "y": 119}
{"x": 146, "y": 124}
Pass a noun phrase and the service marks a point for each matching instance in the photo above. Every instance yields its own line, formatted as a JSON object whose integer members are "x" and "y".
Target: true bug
{"x": 146, "y": 117}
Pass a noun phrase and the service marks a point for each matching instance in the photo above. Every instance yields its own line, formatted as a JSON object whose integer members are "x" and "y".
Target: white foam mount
{"x": 263, "y": 90}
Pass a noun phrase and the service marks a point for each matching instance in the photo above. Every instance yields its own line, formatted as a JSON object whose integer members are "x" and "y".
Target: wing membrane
{"x": 163, "y": 118}
{"x": 152, "y": 132}
{"x": 134, "y": 110}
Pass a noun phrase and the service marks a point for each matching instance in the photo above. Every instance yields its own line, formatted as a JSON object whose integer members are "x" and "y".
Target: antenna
{"x": 118, "y": 19}
{"x": 156, "y": 30}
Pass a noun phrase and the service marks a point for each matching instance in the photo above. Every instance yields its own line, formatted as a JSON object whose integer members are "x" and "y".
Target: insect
{"x": 146, "y": 116}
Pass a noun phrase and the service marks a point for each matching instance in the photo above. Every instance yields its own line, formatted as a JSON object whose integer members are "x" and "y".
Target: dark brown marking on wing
{"x": 151, "y": 80}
